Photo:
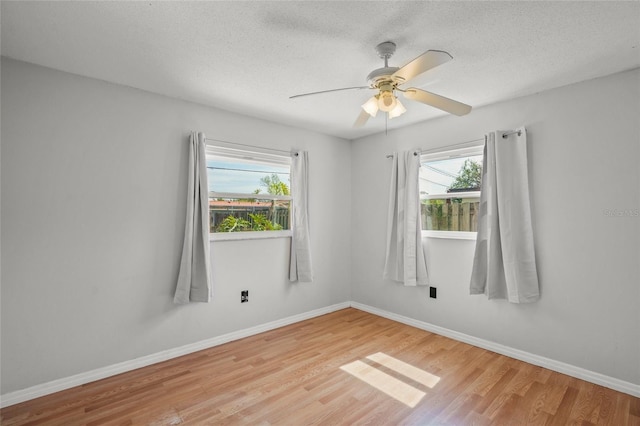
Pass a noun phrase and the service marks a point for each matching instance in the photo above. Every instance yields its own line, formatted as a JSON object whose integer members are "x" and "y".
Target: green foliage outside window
{"x": 469, "y": 176}
{"x": 258, "y": 222}
{"x": 274, "y": 185}
{"x": 233, "y": 224}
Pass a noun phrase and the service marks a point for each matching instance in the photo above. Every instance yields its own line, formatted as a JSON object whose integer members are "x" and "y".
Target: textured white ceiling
{"x": 249, "y": 57}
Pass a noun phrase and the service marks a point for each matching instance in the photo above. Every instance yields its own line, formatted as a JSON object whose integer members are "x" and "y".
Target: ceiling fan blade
{"x": 437, "y": 101}
{"x": 426, "y": 61}
{"x": 327, "y": 91}
{"x": 362, "y": 119}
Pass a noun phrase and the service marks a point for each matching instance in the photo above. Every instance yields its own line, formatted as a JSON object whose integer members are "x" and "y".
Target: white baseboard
{"x": 560, "y": 367}
{"x": 122, "y": 367}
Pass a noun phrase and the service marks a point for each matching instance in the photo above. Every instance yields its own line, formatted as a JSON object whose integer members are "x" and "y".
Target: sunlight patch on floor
{"x": 407, "y": 370}
{"x": 393, "y": 387}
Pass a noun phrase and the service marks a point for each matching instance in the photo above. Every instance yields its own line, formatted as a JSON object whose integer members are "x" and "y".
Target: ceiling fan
{"x": 387, "y": 81}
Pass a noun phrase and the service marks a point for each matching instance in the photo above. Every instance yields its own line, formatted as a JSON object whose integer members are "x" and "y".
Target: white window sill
{"x": 248, "y": 235}
{"x": 452, "y": 235}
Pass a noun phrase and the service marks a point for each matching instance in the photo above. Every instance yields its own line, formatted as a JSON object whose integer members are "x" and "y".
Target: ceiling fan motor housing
{"x": 383, "y": 75}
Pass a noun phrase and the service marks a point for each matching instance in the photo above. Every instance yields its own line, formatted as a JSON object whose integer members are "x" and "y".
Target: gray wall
{"x": 584, "y": 146}
{"x": 93, "y": 178}
{"x": 93, "y": 193}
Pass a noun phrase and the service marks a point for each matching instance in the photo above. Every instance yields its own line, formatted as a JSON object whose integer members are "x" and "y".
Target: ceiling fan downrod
{"x": 381, "y": 76}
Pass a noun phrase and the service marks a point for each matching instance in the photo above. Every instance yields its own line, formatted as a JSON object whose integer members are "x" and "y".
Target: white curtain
{"x": 300, "y": 266}
{"x": 194, "y": 282}
{"x": 504, "y": 266}
{"x": 405, "y": 261}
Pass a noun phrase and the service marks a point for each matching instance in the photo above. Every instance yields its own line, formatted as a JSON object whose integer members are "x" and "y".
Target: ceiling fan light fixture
{"x": 398, "y": 110}
{"x": 386, "y": 101}
{"x": 371, "y": 106}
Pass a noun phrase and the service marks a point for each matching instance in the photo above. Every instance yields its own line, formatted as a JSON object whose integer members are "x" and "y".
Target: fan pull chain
{"x": 386, "y": 122}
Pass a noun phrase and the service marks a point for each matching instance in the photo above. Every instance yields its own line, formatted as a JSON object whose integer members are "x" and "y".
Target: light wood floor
{"x": 293, "y": 376}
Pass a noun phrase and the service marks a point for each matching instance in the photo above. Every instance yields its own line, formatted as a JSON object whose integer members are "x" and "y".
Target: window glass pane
{"x": 450, "y": 175}
{"x": 250, "y": 214}
{"x": 442, "y": 176}
{"x": 450, "y": 214}
{"x": 235, "y": 178}
{"x": 247, "y": 177}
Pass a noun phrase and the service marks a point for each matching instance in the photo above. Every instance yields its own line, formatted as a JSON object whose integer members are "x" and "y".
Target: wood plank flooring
{"x": 293, "y": 376}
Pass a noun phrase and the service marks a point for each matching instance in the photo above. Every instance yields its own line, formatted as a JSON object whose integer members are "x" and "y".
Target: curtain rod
{"x": 426, "y": 151}
{"x": 251, "y": 146}
{"x": 504, "y": 135}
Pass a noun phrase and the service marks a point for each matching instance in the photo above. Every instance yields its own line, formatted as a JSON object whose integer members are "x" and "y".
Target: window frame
{"x": 254, "y": 156}
{"x": 447, "y": 153}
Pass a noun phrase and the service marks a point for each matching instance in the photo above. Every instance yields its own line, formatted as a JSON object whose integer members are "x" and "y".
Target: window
{"x": 450, "y": 192}
{"x": 248, "y": 194}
